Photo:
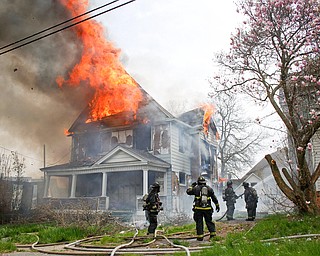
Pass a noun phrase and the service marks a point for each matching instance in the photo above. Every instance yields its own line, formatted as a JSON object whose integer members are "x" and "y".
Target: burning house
{"x": 115, "y": 159}
{"x": 124, "y": 141}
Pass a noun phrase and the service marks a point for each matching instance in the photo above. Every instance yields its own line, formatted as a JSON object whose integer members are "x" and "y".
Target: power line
{"x": 56, "y": 31}
{"x": 20, "y": 154}
{"x": 57, "y": 25}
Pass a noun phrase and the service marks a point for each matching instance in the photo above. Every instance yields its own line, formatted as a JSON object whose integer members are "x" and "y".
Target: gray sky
{"x": 167, "y": 47}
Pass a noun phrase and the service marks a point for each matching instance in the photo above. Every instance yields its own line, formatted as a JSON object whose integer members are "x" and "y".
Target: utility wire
{"x": 57, "y": 25}
{"x": 20, "y": 154}
{"x": 56, "y": 31}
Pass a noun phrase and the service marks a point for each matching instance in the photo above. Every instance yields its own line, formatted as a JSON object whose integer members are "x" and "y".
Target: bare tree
{"x": 274, "y": 56}
{"x": 240, "y": 137}
{"x": 5, "y": 185}
{"x": 11, "y": 170}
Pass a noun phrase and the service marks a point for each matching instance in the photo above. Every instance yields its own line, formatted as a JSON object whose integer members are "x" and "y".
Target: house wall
{"x": 316, "y": 154}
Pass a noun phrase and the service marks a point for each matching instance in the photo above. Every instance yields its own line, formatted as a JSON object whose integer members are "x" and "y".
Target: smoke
{"x": 34, "y": 110}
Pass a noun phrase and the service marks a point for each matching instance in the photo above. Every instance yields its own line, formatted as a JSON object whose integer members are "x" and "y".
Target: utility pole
{"x": 44, "y": 155}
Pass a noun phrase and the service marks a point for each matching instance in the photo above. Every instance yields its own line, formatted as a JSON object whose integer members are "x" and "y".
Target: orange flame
{"x": 67, "y": 133}
{"x": 114, "y": 90}
{"x": 209, "y": 110}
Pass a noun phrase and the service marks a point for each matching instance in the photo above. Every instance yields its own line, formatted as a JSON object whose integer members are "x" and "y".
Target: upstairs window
{"x": 122, "y": 137}
{"x": 161, "y": 139}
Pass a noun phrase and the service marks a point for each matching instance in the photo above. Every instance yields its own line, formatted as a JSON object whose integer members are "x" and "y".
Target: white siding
{"x": 316, "y": 154}
{"x": 180, "y": 161}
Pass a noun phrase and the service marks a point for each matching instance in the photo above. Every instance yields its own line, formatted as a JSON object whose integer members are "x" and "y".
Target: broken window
{"x": 161, "y": 139}
{"x": 122, "y": 137}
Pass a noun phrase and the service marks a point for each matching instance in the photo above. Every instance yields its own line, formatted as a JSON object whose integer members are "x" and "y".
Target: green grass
{"x": 246, "y": 243}
{"x": 276, "y": 226}
{"x": 293, "y": 247}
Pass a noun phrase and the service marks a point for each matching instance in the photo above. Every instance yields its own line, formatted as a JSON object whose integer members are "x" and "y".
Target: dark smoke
{"x": 34, "y": 111}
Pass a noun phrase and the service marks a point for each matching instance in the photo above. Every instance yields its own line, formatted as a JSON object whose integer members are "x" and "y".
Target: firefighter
{"x": 230, "y": 197}
{"x": 251, "y": 199}
{"x": 202, "y": 208}
{"x": 153, "y": 207}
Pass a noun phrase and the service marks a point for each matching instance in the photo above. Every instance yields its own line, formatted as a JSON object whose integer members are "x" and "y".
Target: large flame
{"x": 114, "y": 90}
{"x": 209, "y": 110}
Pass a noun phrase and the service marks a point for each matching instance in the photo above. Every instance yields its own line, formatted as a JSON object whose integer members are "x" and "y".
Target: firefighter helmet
{"x": 229, "y": 182}
{"x": 156, "y": 186}
{"x": 201, "y": 180}
{"x": 245, "y": 184}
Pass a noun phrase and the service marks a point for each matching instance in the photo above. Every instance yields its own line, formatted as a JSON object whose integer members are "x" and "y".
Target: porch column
{"x": 104, "y": 184}
{"x": 145, "y": 181}
{"x": 73, "y": 185}
{"x": 46, "y": 184}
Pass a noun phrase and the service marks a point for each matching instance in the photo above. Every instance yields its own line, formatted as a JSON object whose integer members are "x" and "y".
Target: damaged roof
{"x": 148, "y": 109}
{"x": 195, "y": 117}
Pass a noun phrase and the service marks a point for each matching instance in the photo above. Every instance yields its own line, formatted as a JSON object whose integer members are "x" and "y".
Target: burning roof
{"x": 148, "y": 111}
{"x": 114, "y": 90}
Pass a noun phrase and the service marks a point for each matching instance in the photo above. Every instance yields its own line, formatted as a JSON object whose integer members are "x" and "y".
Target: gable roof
{"x": 148, "y": 109}
{"x": 130, "y": 155}
{"x": 195, "y": 117}
{"x": 278, "y": 155}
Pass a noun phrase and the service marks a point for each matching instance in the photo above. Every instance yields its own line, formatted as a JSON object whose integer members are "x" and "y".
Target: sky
{"x": 167, "y": 46}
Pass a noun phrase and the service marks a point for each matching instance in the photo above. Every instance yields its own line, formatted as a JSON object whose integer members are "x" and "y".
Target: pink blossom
{"x": 309, "y": 146}
{"x": 300, "y": 148}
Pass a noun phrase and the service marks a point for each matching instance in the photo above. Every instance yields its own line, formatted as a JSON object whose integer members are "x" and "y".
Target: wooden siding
{"x": 121, "y": 157}
{"x": 316, "y": 153}
{"x": 180, "y": 161}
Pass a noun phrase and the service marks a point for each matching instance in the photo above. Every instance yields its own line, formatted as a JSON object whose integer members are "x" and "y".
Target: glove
{"x": 194, "y": 184}
{"x": 217, "y": 207}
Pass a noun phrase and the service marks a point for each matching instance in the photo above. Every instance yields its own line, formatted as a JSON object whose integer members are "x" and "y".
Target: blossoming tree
{"x": 274, "y": 56}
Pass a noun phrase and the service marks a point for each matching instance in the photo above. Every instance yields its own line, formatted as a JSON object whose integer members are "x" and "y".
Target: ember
{"x": 114, "y": 90}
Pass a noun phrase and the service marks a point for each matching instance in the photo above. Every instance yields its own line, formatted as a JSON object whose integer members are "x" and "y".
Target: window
{"x": 183, "y": 141}
{"x": 122, "y": 137}
{"x": 182, "y": 178}
{"x": 161, "y": 139}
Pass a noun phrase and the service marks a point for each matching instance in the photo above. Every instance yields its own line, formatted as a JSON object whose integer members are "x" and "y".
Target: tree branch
{"x": 279, "y": 180}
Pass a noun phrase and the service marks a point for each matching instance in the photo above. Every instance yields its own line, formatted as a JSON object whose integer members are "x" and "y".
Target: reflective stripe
{"x": 198, "y": 197}
{"x": 202, "y": 208}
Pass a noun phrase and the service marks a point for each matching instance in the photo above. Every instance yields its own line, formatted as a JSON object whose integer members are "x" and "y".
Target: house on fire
{"x": 114, "y": 160}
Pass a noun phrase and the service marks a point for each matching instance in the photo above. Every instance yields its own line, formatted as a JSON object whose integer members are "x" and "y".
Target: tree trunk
{"x": 303, "y": 195}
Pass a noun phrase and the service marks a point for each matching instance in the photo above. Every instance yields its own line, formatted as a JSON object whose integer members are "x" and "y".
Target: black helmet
{"x": 245, "y": 184}
{"x": 229, "y": 182}
{"x": 156, "y": 186}
{"x": 201, "y": 180}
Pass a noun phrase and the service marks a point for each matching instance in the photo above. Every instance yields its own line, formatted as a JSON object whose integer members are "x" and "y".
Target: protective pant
{"x": 251, "y": 210}
{"x": 153, "y": 219}
{"x": 198, "y": 217}
{"x": 230, "y": 211}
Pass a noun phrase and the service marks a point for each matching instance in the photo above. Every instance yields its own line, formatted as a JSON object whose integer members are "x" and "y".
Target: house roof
{"x": 120, "y": 154}
{"x": 149, "y": 109}
{"x": 278, "y": 155}
{"x": 195, "y": 117}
